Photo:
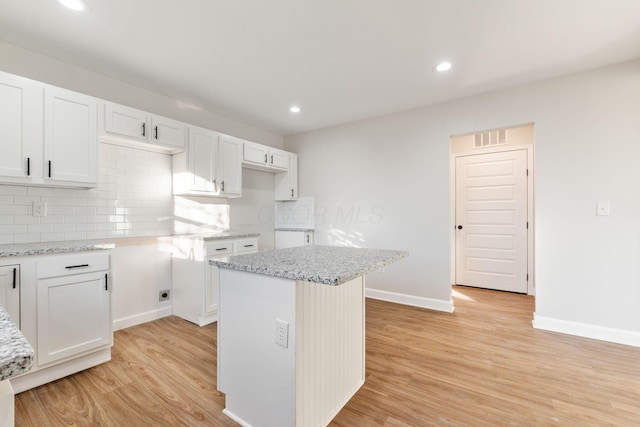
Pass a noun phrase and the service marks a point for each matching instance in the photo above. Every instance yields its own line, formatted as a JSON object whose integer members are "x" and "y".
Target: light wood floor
{"x": 482, "y": 365}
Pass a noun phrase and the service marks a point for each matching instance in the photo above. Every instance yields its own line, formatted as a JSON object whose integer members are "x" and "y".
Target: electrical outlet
{"x": 282, "y": 333}
{"x": 164, "y": 295}
{"x": 39, "y": 208}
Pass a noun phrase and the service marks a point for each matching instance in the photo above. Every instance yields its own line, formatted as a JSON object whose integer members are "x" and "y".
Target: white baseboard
{"x": 137, "y": 319}
{"x": 236, "y": 418}
{"x": 430, "y": 303}
{"x": 619, "y": 336}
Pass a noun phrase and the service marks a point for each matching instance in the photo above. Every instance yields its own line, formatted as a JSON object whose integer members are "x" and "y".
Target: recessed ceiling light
{"x": 77, "y": 5}
{"x": 443, "y": 66}
{"x": 294, "y": 109}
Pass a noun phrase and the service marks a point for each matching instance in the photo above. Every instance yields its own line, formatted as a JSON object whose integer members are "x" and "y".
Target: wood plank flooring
{"x": 482, "y": 365}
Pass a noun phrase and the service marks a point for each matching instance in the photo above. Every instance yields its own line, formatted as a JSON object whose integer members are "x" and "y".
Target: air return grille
{"x": 490, "y": 138}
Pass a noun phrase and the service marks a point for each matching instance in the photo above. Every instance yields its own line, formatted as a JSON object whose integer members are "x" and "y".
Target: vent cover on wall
{"x": 490, "y": 138}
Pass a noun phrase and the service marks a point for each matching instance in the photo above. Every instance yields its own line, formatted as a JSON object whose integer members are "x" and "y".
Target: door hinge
{"x": 527, "y": 277}
{"x": 527, "y": 172}
{"x": 527, "y": 224}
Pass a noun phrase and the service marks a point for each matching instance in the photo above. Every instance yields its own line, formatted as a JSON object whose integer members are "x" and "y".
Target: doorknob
{"x": 459, "y": 227}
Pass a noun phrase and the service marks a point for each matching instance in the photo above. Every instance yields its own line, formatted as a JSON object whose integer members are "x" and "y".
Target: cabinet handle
{"x": 69, "y": 267}
{"x": 144, "y": 129}
{"x": 215, "y": 185}
{"x": 272, "y": 159}
{"x": 307, "y": 238}
{"x": 222, "y": 186}
{"x": 292, "y": 193}
{"x": 265, "y": 157}
{"x": 49, "y": 168}
{"x": 28, "y": 166}
{"x": 106, "y": 281}
{"x": 15, "y": 270}
{"x": 156, "y": 131}
{"x": 248, "y": 246}
{"x": 221, "y": 249}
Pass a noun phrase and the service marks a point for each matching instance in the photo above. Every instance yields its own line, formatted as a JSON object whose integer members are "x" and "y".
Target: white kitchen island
{"x": 291, "y": 343}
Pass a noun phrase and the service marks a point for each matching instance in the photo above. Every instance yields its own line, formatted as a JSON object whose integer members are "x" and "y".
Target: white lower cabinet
{"x": 194, "y": 281}
{"x": 65, "y": 314}
{"x": 73, "y": 315}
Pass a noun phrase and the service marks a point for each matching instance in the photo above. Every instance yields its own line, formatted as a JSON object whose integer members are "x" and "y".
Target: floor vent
{"x": 490, "y": 138}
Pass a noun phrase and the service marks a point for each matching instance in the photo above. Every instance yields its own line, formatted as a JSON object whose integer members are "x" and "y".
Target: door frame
{"x": 531, "y": 287}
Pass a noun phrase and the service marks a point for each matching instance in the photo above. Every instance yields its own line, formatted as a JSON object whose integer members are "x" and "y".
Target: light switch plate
{"x": 603, "y": 209}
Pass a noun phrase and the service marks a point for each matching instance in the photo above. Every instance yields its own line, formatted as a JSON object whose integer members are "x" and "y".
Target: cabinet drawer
{"x": 73, "y": 264}
{"x": 224, "y": 247}
{"x": 246, "y": 246}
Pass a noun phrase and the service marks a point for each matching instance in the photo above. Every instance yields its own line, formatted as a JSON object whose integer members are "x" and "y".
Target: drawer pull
{"x": 248, "y": 246}
{"x": 69, "y": 267}
{"x": 221, "y": 249}
{"x": 14, "y": 277}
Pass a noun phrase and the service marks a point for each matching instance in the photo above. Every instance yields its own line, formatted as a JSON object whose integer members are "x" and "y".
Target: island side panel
{"x": 256, "y": 374}
{"x": 330, "y": 349}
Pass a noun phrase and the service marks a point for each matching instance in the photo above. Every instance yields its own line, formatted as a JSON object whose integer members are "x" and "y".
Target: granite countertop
{"x": 294, "y": 229}
{"x": 211, "y": 237}
{"x": 329, "y": 265}
{"x": 16, "y": 354}
{"x": 52, "y": 248}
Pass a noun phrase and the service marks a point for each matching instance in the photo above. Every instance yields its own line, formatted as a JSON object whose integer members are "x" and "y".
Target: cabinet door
{"x": 70, "y": 137}
{"x": 255, "y": 154}
{"x": 286, "y": 183}
{"x": 125, "y": 121}
{"x": 10, "y": 291}
{"x": 73, "y": 315}
{"x": 168, "y": 132}
{"x": 230, "y": 166}
{"x": 278, "y": 159}
{"x": 20, "y": 125}
{"x": 202, "y": 155}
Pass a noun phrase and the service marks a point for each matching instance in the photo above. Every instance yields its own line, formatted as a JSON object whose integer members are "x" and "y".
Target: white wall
{"x": 587, "y": 148}
{"x": 16, "y": 60}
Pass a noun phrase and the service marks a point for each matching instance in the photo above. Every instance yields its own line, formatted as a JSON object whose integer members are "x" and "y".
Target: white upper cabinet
{"x": 70, "y": 136}
{"x": 168, "y": 133}
{"x": 48, "y": 135}
{"x": 125, "y": 121}
{"x": 262, "y": 157}
{"x": 230, "y": 166}
{"x": 20, "y": 126}
{"x": 127, "y": 126}
{"x": 195, "y": 170}
{"x": 286, "y": 183}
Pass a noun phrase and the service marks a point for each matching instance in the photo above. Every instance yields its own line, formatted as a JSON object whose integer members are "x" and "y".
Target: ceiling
{"x": 339, "y": 60}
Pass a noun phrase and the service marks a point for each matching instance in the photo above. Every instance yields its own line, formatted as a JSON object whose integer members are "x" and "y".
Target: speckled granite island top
{"x": 52, "y": 248}
{"x": 329, "y": 265}
{"x": 16, "y": 354}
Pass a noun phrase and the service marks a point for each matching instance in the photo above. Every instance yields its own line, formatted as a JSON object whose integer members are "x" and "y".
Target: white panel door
{"x": 202, "y": 160}
{"x": 10, "y": 291}
{"x": 125, "y": 121}
{"x": 70, "y": 136}
{"x": 20, "y": 125}
{"x": 230, "y": 166}
{"x": 491, "y": 221}
{"x": 73, "y": 315}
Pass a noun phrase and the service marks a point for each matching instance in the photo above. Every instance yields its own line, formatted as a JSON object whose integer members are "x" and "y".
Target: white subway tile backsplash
{"x": 133, "y": 198}
{"x": 13, "y": 190}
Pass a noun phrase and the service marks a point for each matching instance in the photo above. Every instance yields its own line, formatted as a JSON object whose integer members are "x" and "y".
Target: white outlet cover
{"x": 603, "y": 209}
{"x": 282, "y": 333}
